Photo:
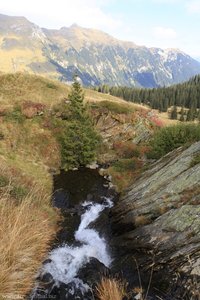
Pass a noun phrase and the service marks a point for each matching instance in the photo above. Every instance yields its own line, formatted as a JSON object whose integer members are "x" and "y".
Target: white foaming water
{"x": 66, "y": 261}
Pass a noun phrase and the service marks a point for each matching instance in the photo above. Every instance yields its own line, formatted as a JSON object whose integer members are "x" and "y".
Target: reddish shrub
{"x": 156, "y": 121}
{"x": 126, "y": 149}
{"x": 31, "y": 109}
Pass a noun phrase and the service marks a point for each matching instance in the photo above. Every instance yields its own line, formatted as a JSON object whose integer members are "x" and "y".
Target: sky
{"x": 153, "y": 23}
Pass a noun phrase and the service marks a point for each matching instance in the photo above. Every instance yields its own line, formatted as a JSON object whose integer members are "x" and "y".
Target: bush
{"x": 124, "y": 165}
{"x": 169, "y": 138}
{"x": 126, "y": 149}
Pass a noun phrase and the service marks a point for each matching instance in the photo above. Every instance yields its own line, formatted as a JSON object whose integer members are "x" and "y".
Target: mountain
{"x": 95, "y": 56}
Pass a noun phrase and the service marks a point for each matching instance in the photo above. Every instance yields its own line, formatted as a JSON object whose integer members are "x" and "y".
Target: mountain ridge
{"x": 97, "y": 57}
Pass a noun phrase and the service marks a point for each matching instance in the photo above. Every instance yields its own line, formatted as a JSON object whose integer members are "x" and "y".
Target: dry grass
{"x": 141, "y": 220}
{"x": 25, "y": 232}
{"x": 25, "y": 87}
{"x": 20, "y": 87}
{"x": 111, "y": 289}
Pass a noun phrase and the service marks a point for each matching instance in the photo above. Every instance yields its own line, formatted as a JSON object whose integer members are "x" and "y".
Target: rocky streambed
{"x": 150, "y": 235}
{"x": 81, "y": 254}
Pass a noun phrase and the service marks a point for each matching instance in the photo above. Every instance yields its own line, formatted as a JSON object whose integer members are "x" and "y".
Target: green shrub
{"x": 124, "y": 165}
{"x": 3, "y": 181}
{"x": 169, "y": 138}
{"x": 126, "y": 149}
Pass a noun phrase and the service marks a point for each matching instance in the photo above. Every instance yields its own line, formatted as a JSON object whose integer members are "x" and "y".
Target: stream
{"x": 80, "y": 254}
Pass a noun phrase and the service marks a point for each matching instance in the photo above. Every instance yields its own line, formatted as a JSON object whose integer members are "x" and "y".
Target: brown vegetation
{"x": 111, "y": 289}
{"x": 26, "y": 229}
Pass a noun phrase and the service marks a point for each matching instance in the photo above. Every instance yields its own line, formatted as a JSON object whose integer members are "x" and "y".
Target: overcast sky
{"x": 159, "y": 23}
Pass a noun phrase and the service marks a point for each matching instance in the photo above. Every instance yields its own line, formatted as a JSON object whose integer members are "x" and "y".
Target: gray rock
{"x": 158, "y": 221}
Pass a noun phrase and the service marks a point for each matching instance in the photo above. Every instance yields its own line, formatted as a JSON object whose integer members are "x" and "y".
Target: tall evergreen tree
{"x": 79, "y": 139}
{"x": 190, "y": 115}
{"x": 198, "y": 116}
{"x": 174, "y": 113}
{"x": 182, "y": 118}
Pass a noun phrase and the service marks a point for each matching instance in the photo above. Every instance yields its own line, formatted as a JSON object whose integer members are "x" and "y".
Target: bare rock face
{"x": 158, "y": 225}
{"x": 121, "y": 127}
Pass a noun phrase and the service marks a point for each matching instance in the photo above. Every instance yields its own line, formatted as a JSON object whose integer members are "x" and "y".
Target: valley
{"x": 149, "y": 214}
{"x": 99, "y": 153}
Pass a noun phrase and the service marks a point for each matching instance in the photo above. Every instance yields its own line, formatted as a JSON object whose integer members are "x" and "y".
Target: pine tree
{"x": 78, "y": 139}
{"x": 198, "y": 116}
{"x": 182, "y": 118}
{"x": 174, "y": 113}
{"x": 190, "y": 115}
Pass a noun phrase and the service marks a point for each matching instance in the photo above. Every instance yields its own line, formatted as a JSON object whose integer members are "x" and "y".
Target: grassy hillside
{"x": 28, "y": 150}
{"x": 29, "y": 153}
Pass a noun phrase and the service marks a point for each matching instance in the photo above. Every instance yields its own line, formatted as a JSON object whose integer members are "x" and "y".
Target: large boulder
{"x": 157, "y": 222}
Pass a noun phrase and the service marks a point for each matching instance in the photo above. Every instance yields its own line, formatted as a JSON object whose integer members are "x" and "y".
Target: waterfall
{"x": 65, "y": 261}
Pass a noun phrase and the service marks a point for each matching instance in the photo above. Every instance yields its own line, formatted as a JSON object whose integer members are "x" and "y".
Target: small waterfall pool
{"x": 80, "y": 254}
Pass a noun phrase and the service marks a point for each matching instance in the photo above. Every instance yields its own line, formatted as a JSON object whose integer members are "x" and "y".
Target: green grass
{"x": 114, "y": 107}
{"x": 3, "y": 181}
{"x": 124, "y": 165}
{"x": 18, "y": 192}
{"x": 15, "y": 115}
{"x": 195, "y": 160}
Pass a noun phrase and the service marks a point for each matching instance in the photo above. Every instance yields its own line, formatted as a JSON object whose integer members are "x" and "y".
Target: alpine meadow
{"x": 100, "y": 150}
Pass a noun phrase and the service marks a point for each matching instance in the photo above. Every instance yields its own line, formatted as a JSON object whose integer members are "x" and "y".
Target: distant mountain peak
{"x": 97, "y": 57}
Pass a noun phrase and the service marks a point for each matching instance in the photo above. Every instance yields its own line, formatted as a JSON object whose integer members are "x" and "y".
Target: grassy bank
{"x": 26, "y": 229}
{"x": 28, "y": 152}
{"x": 28, "y": 222}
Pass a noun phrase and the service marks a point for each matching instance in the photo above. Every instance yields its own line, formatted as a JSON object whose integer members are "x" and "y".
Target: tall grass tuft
{"x": 111, "y": 289}
{"x": 25, "y": 231}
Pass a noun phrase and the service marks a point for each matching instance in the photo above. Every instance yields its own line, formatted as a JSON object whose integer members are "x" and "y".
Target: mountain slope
{"x": 97, "y": 57}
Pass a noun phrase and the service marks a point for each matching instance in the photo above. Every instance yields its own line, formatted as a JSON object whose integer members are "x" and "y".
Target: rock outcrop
{"x": 158, "y": 226}
{"x": 136, "y": 126}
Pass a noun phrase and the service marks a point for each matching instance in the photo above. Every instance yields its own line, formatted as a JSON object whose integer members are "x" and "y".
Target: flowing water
{"x": 85, "y": 199}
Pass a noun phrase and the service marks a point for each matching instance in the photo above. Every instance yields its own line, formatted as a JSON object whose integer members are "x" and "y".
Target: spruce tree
{"x": 198, "y": 116}
{"x": 174, "y": 113}
{"x": 79, "y": 139}
{"x": 182, "y": 118}
{"x": 190, "y": 115}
